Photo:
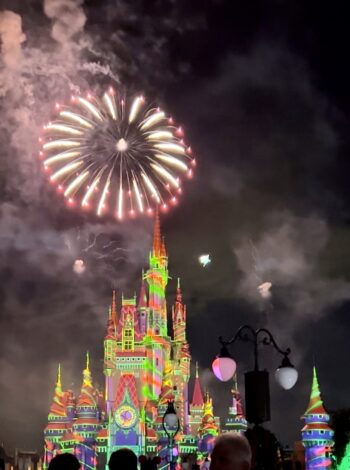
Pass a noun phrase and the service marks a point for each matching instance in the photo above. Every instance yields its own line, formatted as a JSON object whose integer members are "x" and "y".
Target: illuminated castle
{"x": 317, "y": 436}
{"x": 144, "y": 368}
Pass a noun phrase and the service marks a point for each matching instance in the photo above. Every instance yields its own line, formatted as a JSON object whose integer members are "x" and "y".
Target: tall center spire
{"x": 157, "y": 240}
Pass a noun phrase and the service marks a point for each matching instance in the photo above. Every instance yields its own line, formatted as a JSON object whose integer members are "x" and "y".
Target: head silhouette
{"x": 64, "y": 462}
{"x": 123, "y": 459}
{"x": 231, "y": 452}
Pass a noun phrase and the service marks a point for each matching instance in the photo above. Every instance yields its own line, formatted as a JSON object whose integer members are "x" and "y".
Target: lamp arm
{"x": 242, "y": 334}
{"x": 268, "y": 340}
{"x": 247, "y": 334}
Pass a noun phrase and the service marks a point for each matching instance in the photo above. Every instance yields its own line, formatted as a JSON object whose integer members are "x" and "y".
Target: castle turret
{"x": 57, "y": 421}
{"x": 236, "y": 421}
{"x": 87, "y": 423}
{"x": 157, "y": 278}
{"x": 110, "y": 351}
{"x": 196, "y": 405}
{"x": 179, "y": 316}
{"x": 317, "y": 436}
{"x": 142, "y": 307}
{"x": 208, "y": 429}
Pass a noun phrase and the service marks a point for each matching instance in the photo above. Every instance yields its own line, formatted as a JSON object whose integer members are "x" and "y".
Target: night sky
{"x": 261, "y": 89}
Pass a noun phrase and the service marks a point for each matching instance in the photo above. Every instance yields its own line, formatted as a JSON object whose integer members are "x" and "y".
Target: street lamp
{"x": 171, "y": 426}
{"x": 256, "y": 381}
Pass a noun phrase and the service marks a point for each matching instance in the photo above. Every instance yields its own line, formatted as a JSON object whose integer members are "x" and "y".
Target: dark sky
{"x": 261, "y": 89}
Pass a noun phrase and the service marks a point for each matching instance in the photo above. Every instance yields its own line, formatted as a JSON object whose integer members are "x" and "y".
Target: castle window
{"x": 128, "y": 345}
{"x": 128, "y": 339}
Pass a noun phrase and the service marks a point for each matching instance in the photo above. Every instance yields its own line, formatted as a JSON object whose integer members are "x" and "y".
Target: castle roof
{"x": 315, "y": 406}
{"x": 197, "y": 399}
{"x": 88, "y": 393}
{"x": 59, "y": 402}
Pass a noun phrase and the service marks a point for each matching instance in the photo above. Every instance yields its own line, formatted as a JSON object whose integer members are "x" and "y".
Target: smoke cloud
{"x": 11, "y": 38}
{"x": 68, "y": 18}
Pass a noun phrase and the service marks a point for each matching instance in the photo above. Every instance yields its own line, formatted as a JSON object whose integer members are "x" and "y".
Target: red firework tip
{"x": 111, "y": 91}
{"x": 89, "y": 96}
{"x": 167, "y": 186}
{"x": 132, "y": 212}
{"x": 57, "y": 106}
{"x": 193, "y": 162}
{"x": 73, "y": 98}
{"x": 179, "y": 131}
{"x": 85, "y": 204}
{"x": 59, "y": 188}
{"x": 182, "y": 142}
{"x": 149, "y": 210}
{"x": 40, "y": 139}
{"x": 179, "y": 190}
{"x": 142, "y": 99}
{"x": 41, "y": 154}
{"x": 171, "y": 120}
{"x": 189, "y": 173}
{"x": 164, "y": 207}
{"x": 173, "y": 200}
{"x": 71, "y": 201}
{"x": 189, "y": 150}
{"x": 96, "y": 189}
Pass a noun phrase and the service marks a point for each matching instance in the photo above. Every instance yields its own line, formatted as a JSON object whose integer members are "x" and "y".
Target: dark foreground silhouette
{"x": 64, "y": 462}
{"x": 123, "y": 459}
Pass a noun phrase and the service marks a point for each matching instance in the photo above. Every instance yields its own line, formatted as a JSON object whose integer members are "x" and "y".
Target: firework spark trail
{"x": 114, "y": 155}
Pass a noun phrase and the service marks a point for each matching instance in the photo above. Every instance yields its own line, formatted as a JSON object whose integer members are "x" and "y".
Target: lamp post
{"x": 171, "y": 426}
{"x": 257, "y": 391}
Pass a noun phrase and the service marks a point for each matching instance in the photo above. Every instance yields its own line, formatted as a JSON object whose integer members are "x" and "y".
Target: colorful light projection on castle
{"x": 144, "y": 368}
{"x": 317, "y": 436}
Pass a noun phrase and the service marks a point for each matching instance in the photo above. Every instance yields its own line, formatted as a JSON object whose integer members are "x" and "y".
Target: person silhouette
{"x": 123, "y": 459}
{"x": 231, "y": 452}
{"x": 64, "y": 461}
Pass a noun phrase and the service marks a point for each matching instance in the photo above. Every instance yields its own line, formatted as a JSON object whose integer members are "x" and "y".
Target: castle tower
{"x": 58, "y": 421}
{"x": 208, "y": 429}
{"x": 317, "y": 436}
{"x": 87, "y": 423}
{"x": 157, "y": 278}
{"x": 181, "y": 358}
{"x": 143, "y": 306}
{"x": 110, "y": 351}
{"x": 157, "y": 341}
{"x": 236, "y": 421}
{"x": 196, "y": 406}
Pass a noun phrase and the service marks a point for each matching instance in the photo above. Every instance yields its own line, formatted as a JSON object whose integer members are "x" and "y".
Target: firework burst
{"x": 114, "y": 156}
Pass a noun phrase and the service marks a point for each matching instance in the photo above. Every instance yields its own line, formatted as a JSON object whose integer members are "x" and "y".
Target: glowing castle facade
{"x": 317, "y": 436}
{"x": 144, "y": 368}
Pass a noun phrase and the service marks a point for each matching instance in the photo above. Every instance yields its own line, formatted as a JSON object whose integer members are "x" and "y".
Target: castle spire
{"x": 197, "y": 399}
{"x": 87, "y": 380}
{"x": 178, "y": 291}
{"x": 157, "y": 240}
{"x": 317, "y": 436}
{"x": 114, "y": 309}
{"x": 143, "y": 295}
{"x": 315, "y": 404}
{"x": 59, "y": 381}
